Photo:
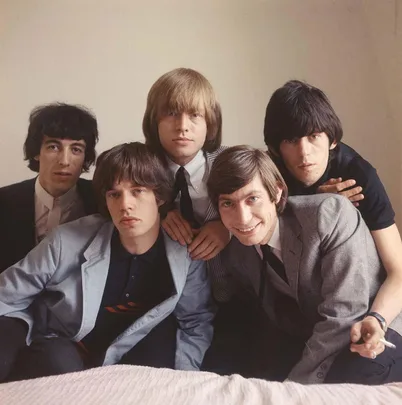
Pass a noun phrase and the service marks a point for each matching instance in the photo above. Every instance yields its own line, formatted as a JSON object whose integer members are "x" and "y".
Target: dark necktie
{"x": 186, "y": 205}
{"x": 269, "y": 257}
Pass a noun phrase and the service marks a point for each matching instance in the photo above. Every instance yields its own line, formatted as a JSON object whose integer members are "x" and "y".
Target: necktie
{"x": 186, "y": 205}
{"x": 269, "y": 257}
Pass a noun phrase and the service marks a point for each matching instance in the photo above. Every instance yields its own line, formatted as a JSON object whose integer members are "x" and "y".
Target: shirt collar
{"x": 48, "y": 201}
{"x": 275, "y": 241}
{"x": 120, "y": 253}
{"x": 191, "y": 167}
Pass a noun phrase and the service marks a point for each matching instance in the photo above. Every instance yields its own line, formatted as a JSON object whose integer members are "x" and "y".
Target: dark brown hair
{"x": 134, "y": 162}
{"x": 62, "y": 121}
{"x": 182, "y": 90}
{"x": 237, "y": 166}
{"x": 298, "y": 109}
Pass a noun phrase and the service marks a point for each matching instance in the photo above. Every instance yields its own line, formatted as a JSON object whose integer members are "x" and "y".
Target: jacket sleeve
{"x": 23, "y": 281}
{"x": 345, "y": 287}
{"x": 194, "y": 312}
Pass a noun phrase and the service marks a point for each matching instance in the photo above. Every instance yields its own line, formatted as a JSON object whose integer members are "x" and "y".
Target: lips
{"x": 128, "y": 220}
{"x": 64, "y": 174}
{"x": 246, "y": 230}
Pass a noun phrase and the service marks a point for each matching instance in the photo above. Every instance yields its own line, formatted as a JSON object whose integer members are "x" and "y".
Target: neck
{"x": 182, "y": 160}
{"x": 51, "y": 191}
{"x": 138, "y": 245}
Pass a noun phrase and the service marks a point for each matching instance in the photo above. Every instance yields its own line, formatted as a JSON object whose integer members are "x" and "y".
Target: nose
{"x": 243, "y": 214}
{"x": 64, "y": 157}
{"x": 127, "y": 202}
{"x": 182, "y": 122}
{"x": 304, "y": 146}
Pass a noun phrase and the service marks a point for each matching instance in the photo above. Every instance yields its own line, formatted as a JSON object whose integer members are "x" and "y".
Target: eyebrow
{"x": 58, "y": 141}
{"x": 249, "y": 194}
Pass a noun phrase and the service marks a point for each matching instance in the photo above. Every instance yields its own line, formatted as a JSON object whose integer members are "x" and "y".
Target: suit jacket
{"x": 58, "y": 287}
{"x": 333, "y": 271}
{"x": 17, "y": 218}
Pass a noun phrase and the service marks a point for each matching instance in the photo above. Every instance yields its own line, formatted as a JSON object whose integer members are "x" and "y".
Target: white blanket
{"x": 121, "y": 385}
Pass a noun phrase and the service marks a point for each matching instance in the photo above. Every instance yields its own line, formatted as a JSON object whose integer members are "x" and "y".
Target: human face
{"x": 182, "y": 135}
{"x": 60, "y": 164}
{"x": 134, "y": 212}
{"x": 249, "y": 214}
{"x": 307, "y": 158}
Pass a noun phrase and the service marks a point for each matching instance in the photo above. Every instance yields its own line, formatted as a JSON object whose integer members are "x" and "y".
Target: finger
{"x": 179, "y": 237}
{"x": 357, "y": 197}
{"x": 368, "y": 353}
{"x": 168, "y": 230}
{"x": 356, "y": 204}
{"x": 203, "y": 250}
{"x": 352, "y": 193}
{"x": 198, "y": 240}
{"x": 214, "y": 253}
{"x": 345, "y": 184}
{"x": 184, "y": 228}
{"x": 355, "y": 332}
{"x": 333, "y": 181}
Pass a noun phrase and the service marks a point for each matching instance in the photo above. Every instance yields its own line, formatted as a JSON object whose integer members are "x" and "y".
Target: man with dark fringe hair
{"x": 303, "y": 134}
{"x": 313, "y": 269}
{"x": 60, "y": 146}
{"x": 109, "y": 288}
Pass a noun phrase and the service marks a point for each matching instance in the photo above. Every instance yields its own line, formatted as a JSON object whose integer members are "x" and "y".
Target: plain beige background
{"x": 106, "y": 55}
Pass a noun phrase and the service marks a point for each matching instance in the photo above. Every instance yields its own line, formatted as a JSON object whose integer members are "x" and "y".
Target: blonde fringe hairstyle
{"x": 182, "y": 90}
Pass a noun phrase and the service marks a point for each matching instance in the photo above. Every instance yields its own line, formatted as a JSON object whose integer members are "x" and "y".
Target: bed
{"x": 121, "y": 385}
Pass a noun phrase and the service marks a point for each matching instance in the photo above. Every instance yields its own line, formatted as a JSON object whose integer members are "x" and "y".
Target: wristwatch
{"x": 381, "y": 320}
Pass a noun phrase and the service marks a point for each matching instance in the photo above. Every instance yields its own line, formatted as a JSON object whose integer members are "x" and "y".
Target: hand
{"x": 209, "y": 241}
{"x": 178, "y": 228}
{"x": 337, "y": 186}
{"x": 370, "y": 331}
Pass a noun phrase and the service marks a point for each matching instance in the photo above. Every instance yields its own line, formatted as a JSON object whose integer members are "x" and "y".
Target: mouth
{"x": 129, "y": 220}
{"x": 63, "y": 174}
{"x": 182, "y": 140}
{"x": 247, "y": 230}
{"x": 305, "y": 166}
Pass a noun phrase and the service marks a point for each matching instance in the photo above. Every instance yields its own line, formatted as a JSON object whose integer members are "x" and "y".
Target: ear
{"x": 160, "y": 202}
{"x": 333, "y": 145}
{"x": 36, "y": 158}
{"x": 278, "y": 194}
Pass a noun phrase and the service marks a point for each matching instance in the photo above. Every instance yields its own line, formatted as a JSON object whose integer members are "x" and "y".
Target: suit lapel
{"x": 291, "y": 247}
{"x": 26, "y": 216}
{"x": 94, "y": 274}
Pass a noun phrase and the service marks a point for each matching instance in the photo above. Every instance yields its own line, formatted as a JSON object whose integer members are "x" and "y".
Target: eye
{"x": 52, "y": 147}
{"x": 197, "y": 115}
{"x": 112, "y": 195}
{"x": 77, "y": 150}
{"x": 290, "y": 141}
{"x": 171, "y": 113}
{"x": 138, "y": 191}
{"x": 253, "y": 199}
{"x": 315, "y": 136}
{"x": 226, "y": 204}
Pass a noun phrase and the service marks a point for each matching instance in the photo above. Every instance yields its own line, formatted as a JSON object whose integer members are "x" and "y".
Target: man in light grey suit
{"x": 312, "y": 264}
{"x": 108, "y": 289}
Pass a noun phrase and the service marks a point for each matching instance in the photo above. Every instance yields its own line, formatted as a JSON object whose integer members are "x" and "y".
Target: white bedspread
{"x": 121, "y": 385}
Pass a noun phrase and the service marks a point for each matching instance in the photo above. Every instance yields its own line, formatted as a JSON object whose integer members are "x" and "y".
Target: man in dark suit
{"x": 60, "y": 145}
{"x": 312, "y": 265}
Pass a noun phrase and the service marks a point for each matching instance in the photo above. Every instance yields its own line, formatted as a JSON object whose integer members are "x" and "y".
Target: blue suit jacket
{"x": 57, "y": 289}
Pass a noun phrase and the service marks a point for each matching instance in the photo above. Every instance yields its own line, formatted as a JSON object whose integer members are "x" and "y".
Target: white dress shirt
{"x": 51, "y": 212}
{"x": 197, "y": 188}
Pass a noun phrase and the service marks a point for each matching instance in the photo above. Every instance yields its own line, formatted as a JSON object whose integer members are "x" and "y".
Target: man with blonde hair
{"x": 183, "y": 124}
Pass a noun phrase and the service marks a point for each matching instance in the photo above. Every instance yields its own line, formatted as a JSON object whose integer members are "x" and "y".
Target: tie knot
{"x": 266, "y": 252}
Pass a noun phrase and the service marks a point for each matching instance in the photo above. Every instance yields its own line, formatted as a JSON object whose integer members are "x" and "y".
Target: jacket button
{"x": 320, "y": 375}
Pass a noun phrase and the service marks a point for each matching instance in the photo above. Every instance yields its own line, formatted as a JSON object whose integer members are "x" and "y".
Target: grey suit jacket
{"x": 57, "y": 289}
{"x": 333, "y": 270}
